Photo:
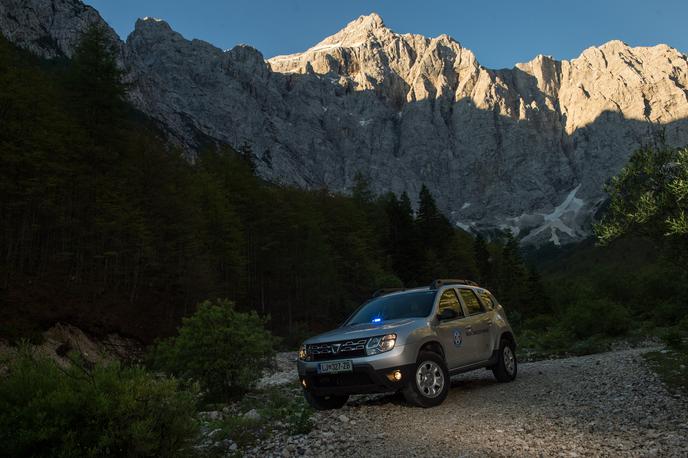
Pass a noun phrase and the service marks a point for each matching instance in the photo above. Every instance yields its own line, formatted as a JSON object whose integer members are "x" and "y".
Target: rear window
{"x": 415, "y": 304}
{"x": 488, "y": 300}
{"x": 471, "y": 300}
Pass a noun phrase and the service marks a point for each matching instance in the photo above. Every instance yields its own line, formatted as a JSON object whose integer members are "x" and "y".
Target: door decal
{"x": 457, "y": 338}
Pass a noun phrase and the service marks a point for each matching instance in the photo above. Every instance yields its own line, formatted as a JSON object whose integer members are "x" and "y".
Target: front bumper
{"x": 370, "y": 374}
{"x": 364, "y": 379}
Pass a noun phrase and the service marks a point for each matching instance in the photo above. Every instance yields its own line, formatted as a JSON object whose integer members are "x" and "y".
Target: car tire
{"x": 325, "y": 402}
{"x": 507, "y": 366}
{"x": 430, "y": 381}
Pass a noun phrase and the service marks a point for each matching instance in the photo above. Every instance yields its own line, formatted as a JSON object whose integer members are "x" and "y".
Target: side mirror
{"x": 447, "y": 314}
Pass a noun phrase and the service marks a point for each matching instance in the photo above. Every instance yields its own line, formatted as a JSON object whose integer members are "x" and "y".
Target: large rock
{"x": 527, "y": 148}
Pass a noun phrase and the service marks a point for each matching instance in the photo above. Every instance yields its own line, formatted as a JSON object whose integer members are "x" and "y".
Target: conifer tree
{"x": 403, "y": 244}
{"x": 483, "y": 260}
{"x": 96, "y": 81}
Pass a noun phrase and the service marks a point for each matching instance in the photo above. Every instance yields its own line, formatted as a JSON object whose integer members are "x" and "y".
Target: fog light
{"x": 303, "y": 382}
{"x": 394, "y": 376}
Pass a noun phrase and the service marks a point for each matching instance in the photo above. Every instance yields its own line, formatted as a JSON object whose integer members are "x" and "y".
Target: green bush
{"x": 222, "y": 349}
{"x": 46, "y": 410}
{"x": 673, "y": 338}
{"x": 539, "y": 323}
{"x": 589, "y": 317}
{"x": 300, "y": 331}
{"x": 683, "y": 324}
{"x": 668, "y": 313}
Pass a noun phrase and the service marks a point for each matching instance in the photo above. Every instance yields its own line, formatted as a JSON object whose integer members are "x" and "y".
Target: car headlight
{"x": 380, "y": 344}
{"x": 303, "y": 354}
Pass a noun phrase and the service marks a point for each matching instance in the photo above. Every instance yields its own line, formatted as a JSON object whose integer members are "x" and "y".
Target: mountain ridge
{"x": 500, "y": 149}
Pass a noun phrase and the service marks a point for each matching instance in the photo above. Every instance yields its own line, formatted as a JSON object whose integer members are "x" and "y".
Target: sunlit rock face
{"x": 526, "y": 149}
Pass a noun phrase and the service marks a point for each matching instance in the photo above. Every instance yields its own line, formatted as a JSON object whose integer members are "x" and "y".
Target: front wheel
{"x": 325, "y": 402}
{"x": 430, "y": 384}
{"x": 506, "y": 368}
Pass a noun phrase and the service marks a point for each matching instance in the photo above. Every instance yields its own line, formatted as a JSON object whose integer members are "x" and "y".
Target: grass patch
{"x": 672, "y": 367}
{"x": 285, "y": 405}
{"x": 244, "y": 431}
{"x": 555, "y": 343}
{"x": 278, "y": 409}
{"x": 671, "y": 364}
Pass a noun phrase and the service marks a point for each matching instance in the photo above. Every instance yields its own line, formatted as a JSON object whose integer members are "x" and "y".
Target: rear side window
{"x": 487, "y": 299}
{"x": 473, "y": 305}
{"x": 449, "y": 300}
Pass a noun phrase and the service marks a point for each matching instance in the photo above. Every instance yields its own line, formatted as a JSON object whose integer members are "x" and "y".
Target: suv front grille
{"x": 337, "y": 350}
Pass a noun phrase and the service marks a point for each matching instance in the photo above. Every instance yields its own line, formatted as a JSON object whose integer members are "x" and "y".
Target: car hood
{"x": 363, "y": 330}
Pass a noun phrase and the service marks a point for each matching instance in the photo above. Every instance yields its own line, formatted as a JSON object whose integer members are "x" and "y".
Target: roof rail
{"x": 451, "y": 281}
{"x": 384, "y": 291}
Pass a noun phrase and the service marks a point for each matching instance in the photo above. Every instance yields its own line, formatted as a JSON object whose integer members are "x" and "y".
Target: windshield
{"x": 416, "y": 304}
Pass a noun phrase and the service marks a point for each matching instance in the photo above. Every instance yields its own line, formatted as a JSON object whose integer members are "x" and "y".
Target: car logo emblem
{"x": 335, "y": 348}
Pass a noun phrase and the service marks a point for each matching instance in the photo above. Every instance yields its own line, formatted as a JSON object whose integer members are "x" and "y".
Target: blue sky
{"x": 500, "y": 33}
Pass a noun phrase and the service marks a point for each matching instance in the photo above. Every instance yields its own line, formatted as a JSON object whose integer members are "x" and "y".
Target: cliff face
{"x": 528, "y": 148}
{"x": 49, "y": 28}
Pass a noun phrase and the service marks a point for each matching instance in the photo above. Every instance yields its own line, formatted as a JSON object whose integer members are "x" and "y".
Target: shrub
{"x": 224, "y": 350}
{"x": 589, "y": 317}
{"x": 668, "y": 313}
{"x": 673, "y": 338}
{"x": 683, "y": 324}
{"x": 300, "y": 331}
{"x": 539, "y": 322}
{"x": 46, "y": 410}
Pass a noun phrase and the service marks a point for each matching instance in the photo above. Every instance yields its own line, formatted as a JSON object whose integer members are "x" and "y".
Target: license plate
{"x": 334, "y": 367}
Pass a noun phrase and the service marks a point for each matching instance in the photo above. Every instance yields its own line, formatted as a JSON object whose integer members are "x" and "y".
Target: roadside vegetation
{"x": 671, "y": 363}
{"x": 93, "y": 411}
{"x": 196, "y": 397}
{"x": 634, "y": 282}
{"x": 221, "y": 349}
{"x": 262, "y": 413}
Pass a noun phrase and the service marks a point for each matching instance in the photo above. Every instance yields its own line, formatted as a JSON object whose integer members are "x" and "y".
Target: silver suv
{"x": 410, "y": 341}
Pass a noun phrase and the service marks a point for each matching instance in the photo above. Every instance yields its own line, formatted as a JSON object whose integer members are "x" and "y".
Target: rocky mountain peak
{"x": 526, "y": 149}
{"x": 367, "y": 56}
{"x": 368, "y": 22}
{"x": 363, "y": 33}
{"x": 151, "y": 23}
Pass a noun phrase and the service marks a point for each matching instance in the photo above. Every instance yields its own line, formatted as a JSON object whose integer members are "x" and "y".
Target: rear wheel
{"x": 506, "y": 368}
{"x": 430, "y": 383}
{"x": 325, "y": 402}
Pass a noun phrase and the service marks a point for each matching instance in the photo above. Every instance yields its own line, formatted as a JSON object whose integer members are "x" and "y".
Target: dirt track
{"x": 608, "y": 404}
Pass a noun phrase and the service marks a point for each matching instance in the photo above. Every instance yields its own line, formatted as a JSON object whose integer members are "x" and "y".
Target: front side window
{"x": 449, "y": 300}
{"x": 473, "y": 305}
{"x": 414, "y": 304}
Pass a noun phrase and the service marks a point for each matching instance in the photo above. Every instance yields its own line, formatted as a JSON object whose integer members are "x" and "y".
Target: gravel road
{"x": 608, "y": 404}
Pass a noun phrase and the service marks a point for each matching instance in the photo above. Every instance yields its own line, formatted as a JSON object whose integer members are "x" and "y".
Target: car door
{"x": 478, "y": 326}
{"x": 451, "y": 331}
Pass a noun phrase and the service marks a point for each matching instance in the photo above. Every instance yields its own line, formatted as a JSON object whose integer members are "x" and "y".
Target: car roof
{"x": 427, "y": 288}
